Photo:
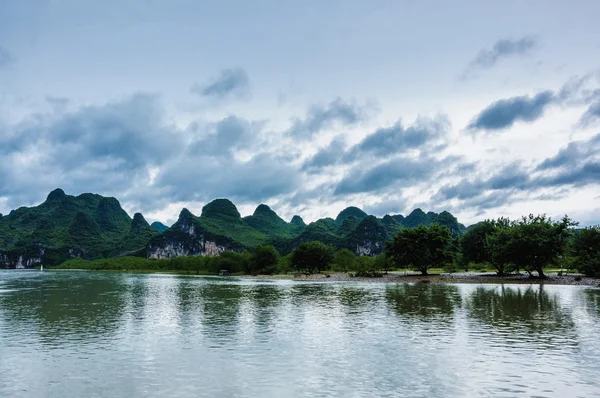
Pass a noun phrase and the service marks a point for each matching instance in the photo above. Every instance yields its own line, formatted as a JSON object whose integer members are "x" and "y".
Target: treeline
{"x": 530, "y": 244}
{"x": 308, "y": 258}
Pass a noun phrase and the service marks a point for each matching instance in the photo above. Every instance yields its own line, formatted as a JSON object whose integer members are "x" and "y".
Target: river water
{"x": 86, "y": 334}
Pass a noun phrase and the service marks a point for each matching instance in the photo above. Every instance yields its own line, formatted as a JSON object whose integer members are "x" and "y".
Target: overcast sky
{"x": 481, "y": 108}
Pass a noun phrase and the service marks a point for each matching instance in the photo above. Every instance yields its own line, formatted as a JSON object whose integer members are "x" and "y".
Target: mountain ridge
{"x": 93, "y": 226}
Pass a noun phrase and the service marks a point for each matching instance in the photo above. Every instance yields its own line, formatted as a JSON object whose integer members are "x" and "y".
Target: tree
{"x": 499, "y": 245}
{"x": 264, "y": 260}
{"x": 473, "y": 246}
{"x": 586, "y": 249}
{"x": 421, "y": 247}
{"x": 344, "y": 260}
{"x": 539, "y": 241}
{"x": 312, "y": 256}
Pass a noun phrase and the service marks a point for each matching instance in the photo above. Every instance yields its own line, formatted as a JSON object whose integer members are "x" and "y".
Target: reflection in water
{"x": 66, "y": 333}
{"x": 530, "y": 308}
{"x": 88, "y": 309}
{"x": 424, "y": 301}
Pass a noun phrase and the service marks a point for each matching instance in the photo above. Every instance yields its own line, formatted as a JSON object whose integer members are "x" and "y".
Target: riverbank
{"x": 459, "y": 277}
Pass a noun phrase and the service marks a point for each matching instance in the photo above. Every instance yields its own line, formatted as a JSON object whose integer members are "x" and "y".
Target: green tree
{"x": 421, "y": 247}
{"x": 344, "y": 260}
{"x": 312, "y": 256}
{"x": 473, "y": 248}
{"x": 586, "y": 249}
{"x": 263, "y": 260}
{"x": 539, "y": 241}
{"x": 500, "y": 244}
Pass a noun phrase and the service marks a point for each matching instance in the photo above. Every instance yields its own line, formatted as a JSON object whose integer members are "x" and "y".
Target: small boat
{"x": 42, "y": 267}
{"x": 224, "y": 272}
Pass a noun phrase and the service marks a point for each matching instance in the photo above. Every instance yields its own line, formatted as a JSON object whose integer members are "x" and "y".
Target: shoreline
{"x": 470, "y": 278}
{"x": 392, "y": 277}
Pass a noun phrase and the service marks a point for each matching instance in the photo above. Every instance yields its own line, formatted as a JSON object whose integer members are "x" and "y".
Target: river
{"x": 93, "y": 334}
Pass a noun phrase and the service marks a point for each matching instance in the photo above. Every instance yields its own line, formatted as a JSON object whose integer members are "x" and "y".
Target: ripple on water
{"x": 64, "y": 334}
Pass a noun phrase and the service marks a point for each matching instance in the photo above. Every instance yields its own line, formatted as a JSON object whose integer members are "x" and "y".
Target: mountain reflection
{"x": 88, "y": 310}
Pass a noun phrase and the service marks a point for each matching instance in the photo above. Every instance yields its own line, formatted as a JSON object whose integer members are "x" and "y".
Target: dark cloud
{"x": 231, "y": 83}
{"x": 425, "y": 135}
{"x": 330, "y": 155}
{"x": 388, "y": 206}
{"x": 320, "y": 117}
{"x": 575, "y": 165}
{"x": 225, "y": 136}
{"x": 128, "y": 149}
{"x": 396, "y": 139}
{"x": 573, "y": 153}
{"x": 388, "y": 175}
{"x": 207, "y": 177}
{"x": 95, "y": 148}
{"x": 504, "y": 113}
{"x": 5, "y": 57}
{"x": 504, "y": 48}
{"x": 509, "y": 177}
{"x": 592, "y": 114}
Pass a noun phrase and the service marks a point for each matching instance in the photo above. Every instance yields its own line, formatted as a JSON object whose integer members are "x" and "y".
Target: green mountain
{"x": 64, "y": 226}
{"x": 92, "y": 226}
{"x": 159, "y": 227}
{"x": 419, "y": 217}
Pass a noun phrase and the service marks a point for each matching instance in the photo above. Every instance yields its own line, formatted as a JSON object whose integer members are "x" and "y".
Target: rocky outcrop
{"x": 187, "y": 237}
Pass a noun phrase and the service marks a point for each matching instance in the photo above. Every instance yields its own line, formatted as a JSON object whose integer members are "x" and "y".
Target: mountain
{"x": 92, "y": 226}
{"x": 350, "y": 212}
{"x": 419, "y": 217}
{"x": 159, "y": 227}
{"x": 65, "y": 226}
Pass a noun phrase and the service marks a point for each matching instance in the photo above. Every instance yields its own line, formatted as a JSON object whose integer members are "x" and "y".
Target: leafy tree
{"x": 539, "y": 241}
{"x": 344, "y": 260}
{"x": 421, "y": 247}
{"x": 499, "y": 245}
{"x": 312, "y": 256}
{"x": 473, "y": 246}
{"x": 586, "y": 248}
{"x": 264, "y": 260}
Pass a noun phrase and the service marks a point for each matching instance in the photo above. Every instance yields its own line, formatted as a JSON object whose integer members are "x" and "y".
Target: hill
{"x": 64, "y": 226}
{"x": 91, "y": 226}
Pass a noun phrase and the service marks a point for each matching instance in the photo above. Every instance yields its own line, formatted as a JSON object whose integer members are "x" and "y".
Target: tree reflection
{"x": 592, "y": 299}
{"x": 530, "y": 308}
{"x": 424, "y": 301}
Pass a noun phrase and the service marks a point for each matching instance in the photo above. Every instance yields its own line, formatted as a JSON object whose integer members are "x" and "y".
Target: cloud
{"x": 5, "y": 57}
{"x": 318, "y": 117}
{"x": 592, "y": 114}
{"x": 206, "y": 177}
{"x": 225, "y": 136}
{"x": 327, "y": 156}
{"x": 576, "y": 165}
{"x": 103, "y": 148}
{"x": 383, "y": 143}
{"x": 388, "y": 174}
{"x": 506, "y": 112}
{"x": 390, "y": 206}
{"x": 396, "y": 139}
{"x": 572, "y": 154}
{"x": 231, "y": 83}
{"x": 504, "y": 48}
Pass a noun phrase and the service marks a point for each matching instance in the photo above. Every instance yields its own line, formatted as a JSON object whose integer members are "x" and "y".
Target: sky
{"x": 484, "y": 109}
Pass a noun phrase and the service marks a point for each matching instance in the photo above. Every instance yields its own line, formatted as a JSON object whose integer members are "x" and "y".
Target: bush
{"x": 367, "y": 267}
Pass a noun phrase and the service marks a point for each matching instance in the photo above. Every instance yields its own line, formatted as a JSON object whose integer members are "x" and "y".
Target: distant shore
{"x": 459, "y": 277}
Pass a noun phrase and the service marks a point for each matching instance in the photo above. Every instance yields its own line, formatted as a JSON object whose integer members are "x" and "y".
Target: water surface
{"x": 86, "y": 334}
